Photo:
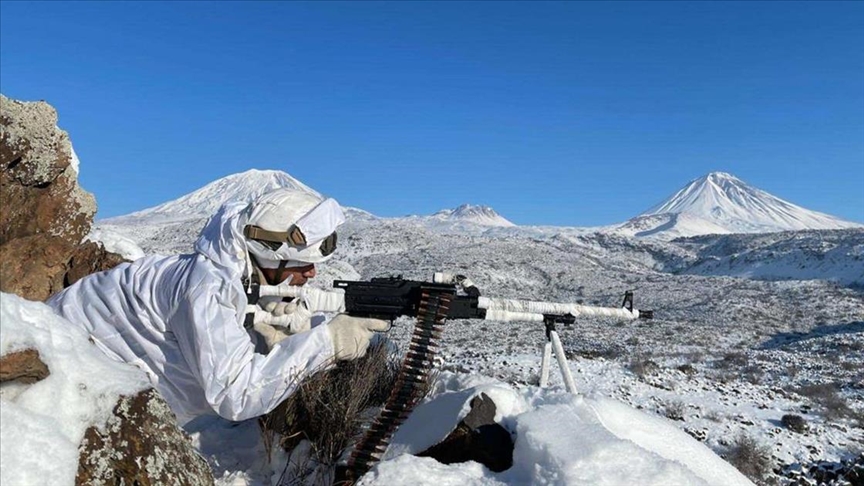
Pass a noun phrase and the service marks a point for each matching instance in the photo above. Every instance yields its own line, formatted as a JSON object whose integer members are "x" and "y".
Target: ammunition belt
{"x": 410, "y": 385}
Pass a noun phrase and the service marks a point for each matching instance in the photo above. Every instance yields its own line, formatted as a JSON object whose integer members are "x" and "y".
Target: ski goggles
{"x": 313, "y": 236}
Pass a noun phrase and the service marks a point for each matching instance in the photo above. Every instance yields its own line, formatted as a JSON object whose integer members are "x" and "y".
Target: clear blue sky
{"x": 552, "y": 113}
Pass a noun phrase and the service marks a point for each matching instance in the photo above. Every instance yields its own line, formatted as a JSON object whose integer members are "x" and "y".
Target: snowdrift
{"x": 559, "y": 439}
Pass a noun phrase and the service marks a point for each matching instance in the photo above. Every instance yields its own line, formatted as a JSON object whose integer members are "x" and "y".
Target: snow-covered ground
{"x": 748, "y": 329}
{"x": 559, "y": 438}
{"x": 749, "y": 349}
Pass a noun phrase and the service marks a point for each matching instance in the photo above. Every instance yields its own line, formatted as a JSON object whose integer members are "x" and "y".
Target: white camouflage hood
{"x": 222, "y": 239}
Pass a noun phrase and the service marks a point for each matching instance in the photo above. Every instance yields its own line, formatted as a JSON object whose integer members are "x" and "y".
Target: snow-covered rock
{"x": 45, "y": 212}
{"x": 46, "y": 420}
{"x": 91, "y": 420}
{"x": 116, "y": 242}
{"x": 560, "y": 439}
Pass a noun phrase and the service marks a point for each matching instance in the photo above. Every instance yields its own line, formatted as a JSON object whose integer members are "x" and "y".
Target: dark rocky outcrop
{"x": 140, "y": 445}
{"x": 477, "y": 438}
{"x": 44, "y": 213}
{"x": 44, "y": 216}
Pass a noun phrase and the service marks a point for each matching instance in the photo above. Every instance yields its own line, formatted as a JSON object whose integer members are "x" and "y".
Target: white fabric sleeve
{"x": 238, "y": 383}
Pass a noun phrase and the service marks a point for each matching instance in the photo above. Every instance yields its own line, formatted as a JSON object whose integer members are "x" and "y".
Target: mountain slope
{"x": 729, "y": 202}
{"x": 203, "y": 203}
{"x": 467, "y": 213}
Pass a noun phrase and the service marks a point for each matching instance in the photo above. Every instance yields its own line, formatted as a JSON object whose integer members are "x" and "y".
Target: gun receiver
{"x": 390, "y": 297}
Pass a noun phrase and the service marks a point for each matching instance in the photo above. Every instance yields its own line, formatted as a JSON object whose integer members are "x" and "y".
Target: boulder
{"x": 478, "y": 438}
{"x": 89, "y": 257}
{"x": 141, "y": 445}
{"x": 45, "y": 214}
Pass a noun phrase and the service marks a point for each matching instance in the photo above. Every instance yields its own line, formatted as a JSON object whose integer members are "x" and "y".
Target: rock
{"x": 476, "y": 438}
{"x": 24, "y": 366}
{"x": 87, "y": 258}
{"x": 44, "y": 213}
{"x": 848, "y": 472}
{"x": 795, "y": 423}
{"x": 140, "y": 445}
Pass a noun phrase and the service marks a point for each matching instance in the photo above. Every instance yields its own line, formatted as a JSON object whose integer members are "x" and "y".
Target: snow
{"x": 559, "y": 439}
{"x": 116, "y": 242}
{"x": 668, "y": 226}
{"x": 726, "y": 201}
{"x": 467, "y": 213}
{"x": 46, "y": 420}
{"x": 73, "y": 159}
{"x": 786, "y": 334}
{"x": 204, "y": 202}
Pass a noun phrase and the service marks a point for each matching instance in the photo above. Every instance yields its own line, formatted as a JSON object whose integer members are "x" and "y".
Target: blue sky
{"x": 570, "y": 113}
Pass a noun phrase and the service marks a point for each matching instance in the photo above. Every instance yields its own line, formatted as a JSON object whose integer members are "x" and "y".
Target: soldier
{"x": 181, "y": 318}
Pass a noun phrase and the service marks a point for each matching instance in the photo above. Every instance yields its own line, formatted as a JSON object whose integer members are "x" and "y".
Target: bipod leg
{"x": 553, "y": 342}
{"x": 569, "y": 384}
{"x": 544, "y": 364}
{"x": 549, "y": 322}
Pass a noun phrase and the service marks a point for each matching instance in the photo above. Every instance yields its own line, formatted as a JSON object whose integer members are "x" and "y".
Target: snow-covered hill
{"x": 480, "y": 215}
{"x": 832, "y": 255}
{"x": 668, "y": 226}
{"x": 721, "y": 203}
{"x": 203, "y": 203}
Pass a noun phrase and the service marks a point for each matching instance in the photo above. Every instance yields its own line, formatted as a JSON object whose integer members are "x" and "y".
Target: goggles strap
{"x": 294, "y": 236}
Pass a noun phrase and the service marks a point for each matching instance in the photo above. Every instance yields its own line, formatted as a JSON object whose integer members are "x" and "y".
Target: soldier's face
{"x": 299, "y": 275}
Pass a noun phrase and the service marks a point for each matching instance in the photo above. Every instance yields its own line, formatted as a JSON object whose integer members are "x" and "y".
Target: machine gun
{"x": 431, "y": 303}
{"x": 390, "y": 297}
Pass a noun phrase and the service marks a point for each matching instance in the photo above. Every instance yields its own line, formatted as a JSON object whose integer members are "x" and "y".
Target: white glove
{"x": 351, "y": 335}
{"x": 293, "y": 317}
{"x": 271, "y": 335}
{"x": 280, "y": 308}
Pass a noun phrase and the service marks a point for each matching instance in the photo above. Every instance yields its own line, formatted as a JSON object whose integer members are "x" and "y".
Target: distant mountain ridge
{"x": 249, "y": 185}
{"x": 717, "y": 203}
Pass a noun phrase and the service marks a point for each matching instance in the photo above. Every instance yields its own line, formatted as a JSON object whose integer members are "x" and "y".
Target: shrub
{"x": 675, "y": 411}
{"x": 795, "y": 423}
{"x": 687, "y": 369}
{"x": 749, "y": 457}
{"x": 734, "y": 359}
{"x": 643, "y": 367}
{"x": 327, "y": 407}
{"x": 825, "y": 394}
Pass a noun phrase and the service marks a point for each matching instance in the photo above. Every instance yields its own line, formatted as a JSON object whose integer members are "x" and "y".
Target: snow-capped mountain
{"x": 468, "y": 213}
{"x": 722, "y": 200}
{"x": 203, "y": 203}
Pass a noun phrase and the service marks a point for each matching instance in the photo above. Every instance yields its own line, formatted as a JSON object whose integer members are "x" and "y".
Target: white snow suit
{"x": 180, "y": 319}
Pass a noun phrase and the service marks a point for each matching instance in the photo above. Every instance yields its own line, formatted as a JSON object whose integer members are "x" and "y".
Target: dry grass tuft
{"x": 326, "y": 413}
{"x": 750, "y": 457}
